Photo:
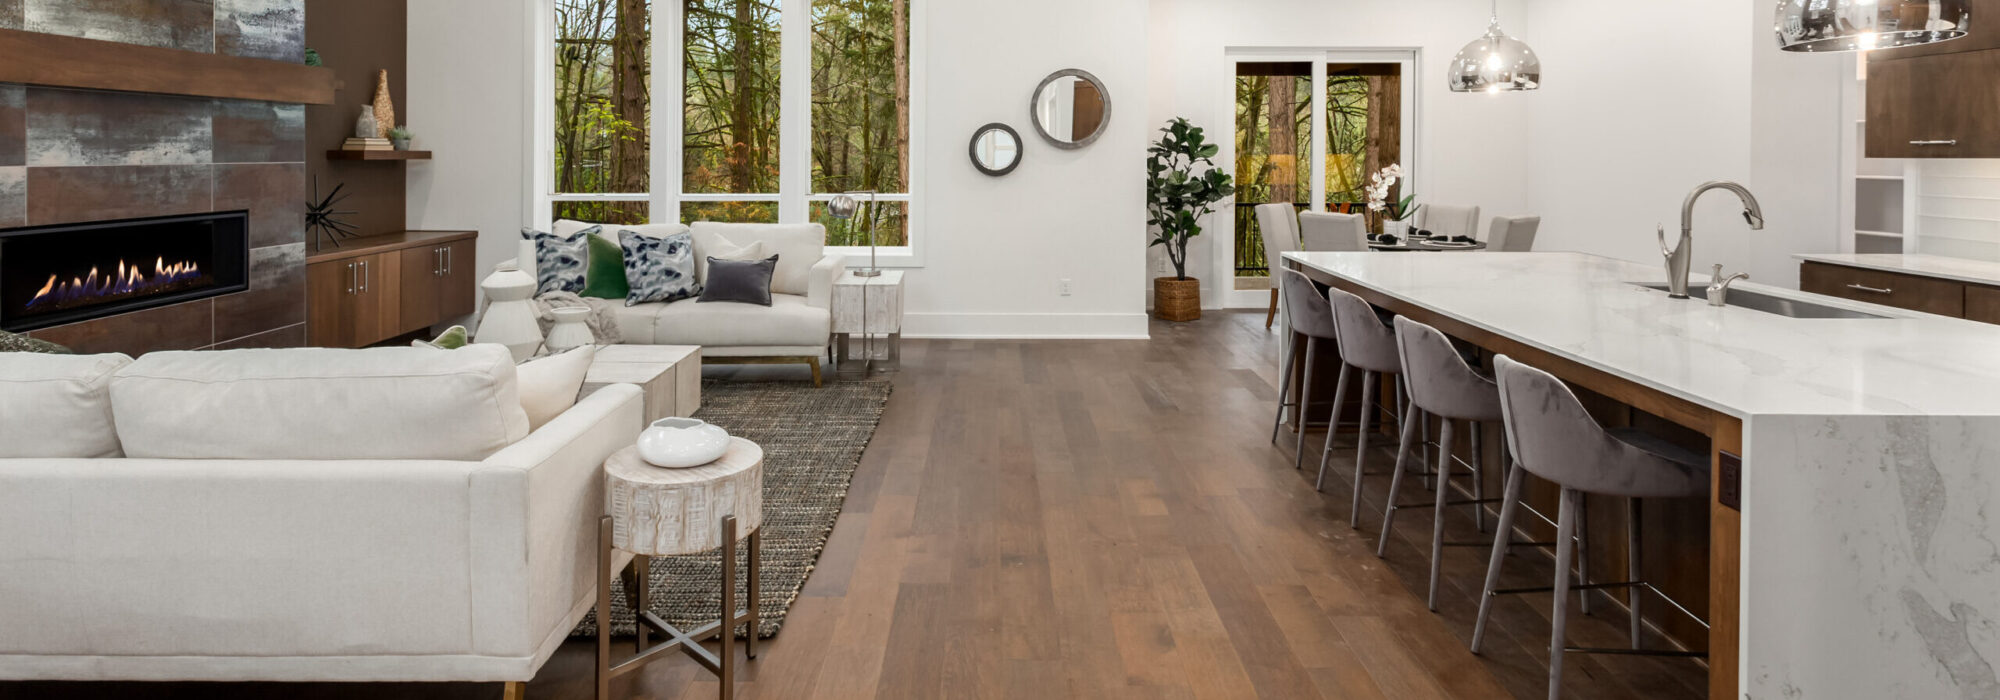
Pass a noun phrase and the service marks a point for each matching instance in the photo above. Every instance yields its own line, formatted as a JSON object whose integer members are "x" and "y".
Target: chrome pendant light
{"x": 1859, "y": 25}
{"x": 1495, "y": 63}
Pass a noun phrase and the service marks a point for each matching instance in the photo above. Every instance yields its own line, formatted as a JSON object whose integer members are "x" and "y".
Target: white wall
{"x": 1626, "y": 124}
{"x": 1474, "y": 149}
{"x": 469, "y": 64}
{"x": 997, "y": 248}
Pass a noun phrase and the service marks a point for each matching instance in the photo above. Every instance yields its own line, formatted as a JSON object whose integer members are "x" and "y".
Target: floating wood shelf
{"x": 377, "y": 155}
{"x": 34, "y": 58}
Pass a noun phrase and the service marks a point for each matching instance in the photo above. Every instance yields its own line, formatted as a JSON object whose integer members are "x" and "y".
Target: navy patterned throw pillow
{"x": 560, "y": 260}
{"x": 658, "y": 269}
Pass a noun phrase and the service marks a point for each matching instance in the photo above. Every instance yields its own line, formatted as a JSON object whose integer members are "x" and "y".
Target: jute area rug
{"x": 812, "y": 439}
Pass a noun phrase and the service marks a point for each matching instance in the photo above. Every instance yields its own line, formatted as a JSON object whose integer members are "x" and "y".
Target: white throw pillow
{"x": 549, "y": 385}
{"x": 57, "y": 405}
{"x": 319, "y": 404}
{"x": 798, "y": 247}
{"x": 724, "y": 250}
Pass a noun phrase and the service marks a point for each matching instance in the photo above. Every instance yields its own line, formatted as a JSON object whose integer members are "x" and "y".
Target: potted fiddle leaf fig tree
{"x": 1182, "y": 186}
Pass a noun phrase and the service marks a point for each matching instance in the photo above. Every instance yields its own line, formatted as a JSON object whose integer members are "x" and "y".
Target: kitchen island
{"x": 1858, "y": 556}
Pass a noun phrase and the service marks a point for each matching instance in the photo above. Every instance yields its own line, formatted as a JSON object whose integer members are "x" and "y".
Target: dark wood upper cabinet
{"x": 1935, "y": 106}
{"x": 1985, "y": 34}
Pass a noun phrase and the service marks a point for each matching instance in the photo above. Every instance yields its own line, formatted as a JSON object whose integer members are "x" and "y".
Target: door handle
{"x": 1935, "y": 142}
{"x": 1866, "y": 288}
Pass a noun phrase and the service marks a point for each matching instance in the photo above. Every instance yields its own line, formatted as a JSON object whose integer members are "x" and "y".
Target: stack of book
{"x": 370, "y": 144}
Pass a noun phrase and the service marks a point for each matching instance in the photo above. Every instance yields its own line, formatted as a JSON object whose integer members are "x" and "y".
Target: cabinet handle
{"x": 352, "y": 278}
{"x": 1935, "y": 142}
{"x": 437, "y": 262}
{"x": 447, "y": 260}
{"x": 1866, "y": 288}
{"x": 364, "y": 276}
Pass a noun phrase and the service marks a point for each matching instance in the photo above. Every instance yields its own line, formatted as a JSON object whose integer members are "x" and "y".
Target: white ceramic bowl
{"x": 680, "y": 443}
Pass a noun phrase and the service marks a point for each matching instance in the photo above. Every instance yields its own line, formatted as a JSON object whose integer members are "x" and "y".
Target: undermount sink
{"x": 1757, "y": 301}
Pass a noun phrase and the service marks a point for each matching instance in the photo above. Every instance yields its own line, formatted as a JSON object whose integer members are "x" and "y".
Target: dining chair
{"x": 1320, "y": 231}
{"x": 1280, "y": 230}
{"x": 1447, "y": 220}
{"x": 1512, "y": 234}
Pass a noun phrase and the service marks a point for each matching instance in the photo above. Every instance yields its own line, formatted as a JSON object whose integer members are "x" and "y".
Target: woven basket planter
{"x": 1177, "y": 299}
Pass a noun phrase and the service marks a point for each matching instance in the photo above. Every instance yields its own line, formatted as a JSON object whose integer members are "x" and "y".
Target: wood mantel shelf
{"x": 52, "y": 60}
{"x": 339, "y": 154}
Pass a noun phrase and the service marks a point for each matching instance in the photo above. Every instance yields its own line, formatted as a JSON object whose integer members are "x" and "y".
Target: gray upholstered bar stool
{"x": 1307, "y": 314}
{"x": 1554, "y": 438}
{"x": 1441, "y": 384}
{"x": 1367, "y": 344}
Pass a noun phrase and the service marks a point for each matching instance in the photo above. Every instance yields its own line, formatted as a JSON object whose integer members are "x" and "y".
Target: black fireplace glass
{"x": 64, "y": 273}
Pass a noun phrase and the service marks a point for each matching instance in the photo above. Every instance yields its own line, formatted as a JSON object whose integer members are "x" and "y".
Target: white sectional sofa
{"x": 293, "y": 515}
{"x": 794, "y": 329}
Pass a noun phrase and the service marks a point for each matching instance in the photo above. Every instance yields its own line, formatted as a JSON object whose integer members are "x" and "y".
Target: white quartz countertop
{"x": 1961, "y": 269}
{"x": 1739, "y": 361}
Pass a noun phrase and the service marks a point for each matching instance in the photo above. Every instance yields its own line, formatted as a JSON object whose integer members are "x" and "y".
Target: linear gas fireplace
{"x": 51, "y": 275}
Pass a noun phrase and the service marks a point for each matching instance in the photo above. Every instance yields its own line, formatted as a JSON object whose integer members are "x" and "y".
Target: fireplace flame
{"x": 127, "y": 280}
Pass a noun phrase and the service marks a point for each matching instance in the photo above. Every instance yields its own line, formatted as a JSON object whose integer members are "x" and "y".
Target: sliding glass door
{"x": 1308, "y": 129}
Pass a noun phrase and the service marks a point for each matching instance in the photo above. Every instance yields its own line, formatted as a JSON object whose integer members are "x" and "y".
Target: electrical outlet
{"x": 1062, "y": 286}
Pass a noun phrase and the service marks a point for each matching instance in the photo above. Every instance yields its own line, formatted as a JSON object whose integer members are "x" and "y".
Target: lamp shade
{"x": 1859, "y": 25}
{"x": 1495, "y": 63}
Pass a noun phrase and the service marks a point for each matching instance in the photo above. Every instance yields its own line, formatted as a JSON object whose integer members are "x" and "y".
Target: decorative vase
{"x": 510, "y": 319}
{"x": 400, "y": 144}
{"x": 570, "y": 329}
{"x": 385, "y": 110}
{"x": 679, "y": 443}
{"x": 1177, "y": 299}
{"x": 364, "y": 126}
{"x": 1399, "y": 229}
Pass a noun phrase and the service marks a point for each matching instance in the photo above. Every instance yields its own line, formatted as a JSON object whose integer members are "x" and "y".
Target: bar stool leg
{"x": 1333, "y": 421}
{"x": 1566, "y": 520}
{"x": 1634, "y": 594}
{"x": 1503, "y": 538}
{"x": 1410, "y": 421}
{"x": 1437, "y": 511}
{"x": 1305, "y": 399}
{"x": 1582, "y": 550}
{"x": 1369, "y": 380}
{"x": 1284, "y": 389}
{"x": 1478, "y": 474}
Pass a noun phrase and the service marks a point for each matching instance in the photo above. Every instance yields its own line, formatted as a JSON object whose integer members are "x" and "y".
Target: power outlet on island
{"x": 1062, "y": 287}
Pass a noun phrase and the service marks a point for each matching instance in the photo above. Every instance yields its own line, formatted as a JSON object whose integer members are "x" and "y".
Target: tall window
{"x": 741, "y": 100}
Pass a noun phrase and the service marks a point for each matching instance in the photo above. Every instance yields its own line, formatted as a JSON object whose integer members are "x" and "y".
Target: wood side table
{"x": 869, "y": 306}
{"x": 669, "y": 376}
{"x": 651, "y": 511}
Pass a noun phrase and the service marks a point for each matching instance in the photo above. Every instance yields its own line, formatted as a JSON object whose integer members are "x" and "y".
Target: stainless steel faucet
{"x": 1679, "y": 256}
{"x": 1718, "y": 286}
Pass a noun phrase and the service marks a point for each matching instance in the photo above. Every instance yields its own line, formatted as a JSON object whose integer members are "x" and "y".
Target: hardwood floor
{"x": 1104, "y": 519}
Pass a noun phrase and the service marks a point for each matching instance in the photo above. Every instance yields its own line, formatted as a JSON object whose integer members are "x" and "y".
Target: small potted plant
{"x": 1395, "y": 215}
{"x": 1177, "y": 197}
{"x": 400, "y": 138}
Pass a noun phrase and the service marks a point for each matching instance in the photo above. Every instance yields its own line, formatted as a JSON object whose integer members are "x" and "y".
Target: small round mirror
{"x": 996, "y": 149}
{"x": 1071, "y": 108}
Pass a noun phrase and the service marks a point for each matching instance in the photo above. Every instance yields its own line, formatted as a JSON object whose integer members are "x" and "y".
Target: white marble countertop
{"x": 1960, "y": 269}
{"x": 1735, "y": 360}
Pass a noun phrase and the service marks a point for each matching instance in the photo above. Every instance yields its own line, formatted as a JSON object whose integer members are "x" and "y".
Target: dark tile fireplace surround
{"x": 70, "y": 156}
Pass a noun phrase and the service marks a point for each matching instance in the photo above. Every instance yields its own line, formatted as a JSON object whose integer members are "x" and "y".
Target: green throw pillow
{"x": 453, "y": 338}
{"x": 604, "y": 277}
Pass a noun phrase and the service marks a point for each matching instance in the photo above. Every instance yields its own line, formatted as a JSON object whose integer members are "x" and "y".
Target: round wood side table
{"x": 651, "y": 511}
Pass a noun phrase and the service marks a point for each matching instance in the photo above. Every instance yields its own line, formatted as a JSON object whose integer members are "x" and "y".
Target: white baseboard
{"x": 1247, "y": 299}
{"x": 1020, "y": 326}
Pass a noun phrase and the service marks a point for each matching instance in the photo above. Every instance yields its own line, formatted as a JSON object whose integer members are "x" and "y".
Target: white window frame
{"x": 794, "y": 197}
{"x": 1415, "y": 160}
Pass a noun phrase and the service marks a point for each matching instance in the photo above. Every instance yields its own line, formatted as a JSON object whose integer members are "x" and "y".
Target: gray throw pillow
{"x": 658, "y": 269}
{"x": 559, "y": 260}
{"x": 745, "y": 281}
